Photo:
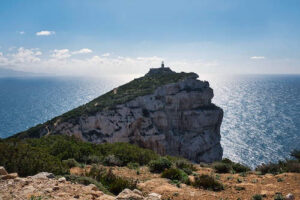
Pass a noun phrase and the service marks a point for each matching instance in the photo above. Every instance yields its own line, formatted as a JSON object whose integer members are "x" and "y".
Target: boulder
{"x": 289, "y": 196}
{"x": 127, "y": 194}
{"x": 9, "y": 176}
{"x": 62, "y": 180}
{"x": 153, "y": 196}
{"x": 43, "y": 175}
{"x": 3, "y": 171}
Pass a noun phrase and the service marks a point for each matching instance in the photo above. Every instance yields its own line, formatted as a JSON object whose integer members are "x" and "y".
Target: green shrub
{"x": 257, "y": 197}
{"x": 269, "y": 168}
{"x": 71, "y": 163}
{"x": 86, "y": 181}
{"x": 93, "y": 159}
{"x": 239, "y": 188}
{"x": 238, "y": 168}
{"x": 113, "y": 183}
{"x": 222, "y": 167}
{"x": 112, "y": 160}
{"x": 133, "y": 165}
{"x": 185, "y": 165}
{"x": 175, "y": 175}
{"x": 227, "y": 161}
{"x": 20, "y": 157}
{"x": 278, "y": 196}
{"x": 279, "y": 180}
{"x": 48, "y": 153}
{"x": 280, "y": 166}
{"x": 159, "y": 165}
{"x": 292, "y": 166}
{"x": 296, "y": 154}
{"x": 36, "y": 197}
{"x": 207, "y": 182}
{"x": 127, "y": 153}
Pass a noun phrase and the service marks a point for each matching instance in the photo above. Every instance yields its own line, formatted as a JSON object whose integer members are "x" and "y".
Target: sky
{"x": 125, "y": 37}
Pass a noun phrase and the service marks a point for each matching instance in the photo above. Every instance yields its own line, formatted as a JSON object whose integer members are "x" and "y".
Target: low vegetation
{"x": 175, "y": 174}
{"x": 228, "y": 166}
{"x": 257, "y": 197}
{"x": 58, "y": 153}
{"x": 159, "y": 165}
{"x": 112, "y": 182}
{"x": 207, "y": 182}
{"x": 288, "y": 165}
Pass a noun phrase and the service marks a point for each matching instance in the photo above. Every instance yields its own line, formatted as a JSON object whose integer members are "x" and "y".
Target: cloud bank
{"x": 66, "y": 62}
{"x": 82, "y": 51}
{"x": 45, "y": 33}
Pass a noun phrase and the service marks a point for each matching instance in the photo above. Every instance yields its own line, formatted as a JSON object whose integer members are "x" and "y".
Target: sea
{"x": 261, "y": 121}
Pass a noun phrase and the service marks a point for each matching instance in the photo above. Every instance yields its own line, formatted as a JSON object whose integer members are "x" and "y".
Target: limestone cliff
{"x": 170, "y": 113}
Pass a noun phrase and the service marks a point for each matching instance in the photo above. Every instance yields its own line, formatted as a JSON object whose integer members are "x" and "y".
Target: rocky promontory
{"x": 168, "y": 112}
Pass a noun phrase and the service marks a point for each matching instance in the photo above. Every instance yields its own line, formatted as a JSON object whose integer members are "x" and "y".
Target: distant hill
{"x": 4, "y": 72}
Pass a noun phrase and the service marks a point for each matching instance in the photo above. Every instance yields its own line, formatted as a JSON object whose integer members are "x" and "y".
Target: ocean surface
{"x": 261, "y": 112}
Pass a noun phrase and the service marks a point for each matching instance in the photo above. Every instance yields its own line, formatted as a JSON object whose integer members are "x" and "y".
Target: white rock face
{"x": 177, "y": 119}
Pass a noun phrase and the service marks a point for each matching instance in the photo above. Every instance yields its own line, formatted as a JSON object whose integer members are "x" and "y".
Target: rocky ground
{"x": 150, "y": 186}
{"x": 45, "y": 186}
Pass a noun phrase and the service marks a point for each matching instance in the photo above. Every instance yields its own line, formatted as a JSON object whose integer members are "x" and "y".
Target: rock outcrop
{"x": 177, "y": 119}
{"x": 45, "y": 185}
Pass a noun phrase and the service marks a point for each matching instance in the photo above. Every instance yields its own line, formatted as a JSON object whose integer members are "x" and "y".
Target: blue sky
{"x": 66, "y": 37}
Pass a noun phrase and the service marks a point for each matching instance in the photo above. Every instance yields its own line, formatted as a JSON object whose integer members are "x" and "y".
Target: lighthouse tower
{"x": 162, "y": 64}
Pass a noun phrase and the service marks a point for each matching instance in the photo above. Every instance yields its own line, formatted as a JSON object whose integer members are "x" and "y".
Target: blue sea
{"x": 261, "y": 112}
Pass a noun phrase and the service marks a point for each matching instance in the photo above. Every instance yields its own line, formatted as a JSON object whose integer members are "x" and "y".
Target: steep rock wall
{"x": 177, "y": 119}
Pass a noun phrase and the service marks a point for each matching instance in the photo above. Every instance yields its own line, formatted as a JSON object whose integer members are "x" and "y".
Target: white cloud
{"x": 105, "y": 54}
{"x": 45, "y": 33}
{"x": 257, "y": 57}
{"x": 3, "y": 60}
{"x": 21, "y": 32}
{"x": 26, "y": 56}
{"x": 82, "y": 51}
{"x": 61, "y": 54}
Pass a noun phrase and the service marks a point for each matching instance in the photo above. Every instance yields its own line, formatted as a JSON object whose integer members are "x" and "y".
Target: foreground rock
{"x": 3, "y": 171}
{"x": 43, "y": 185}
{"x": 175, "y": 119}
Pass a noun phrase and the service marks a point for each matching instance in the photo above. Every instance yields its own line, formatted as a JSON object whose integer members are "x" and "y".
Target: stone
{"x": 62, "y": 180}
{"x": 92, "y": 187}
{"x": 55, "y": 188}
{"x": 138, "y": 192}
{"x": 3, "y": 171}
{"x": 153, "y": 196}
{"x": 43, "y": 175}
{"x": 127, "y": 194}
{"x": 9, "y": 176}
{"x": 106, "y": 197}
{"x": 289, "y": 196}
{"x": 48, "y": 190}
{"x": 28, "y": 190}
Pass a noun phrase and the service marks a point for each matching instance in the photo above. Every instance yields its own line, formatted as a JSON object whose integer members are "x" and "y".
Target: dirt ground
{"x": 236, "y": 185}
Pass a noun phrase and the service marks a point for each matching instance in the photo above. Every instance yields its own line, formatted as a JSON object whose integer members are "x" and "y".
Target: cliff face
{"x": 176, "y": 119}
